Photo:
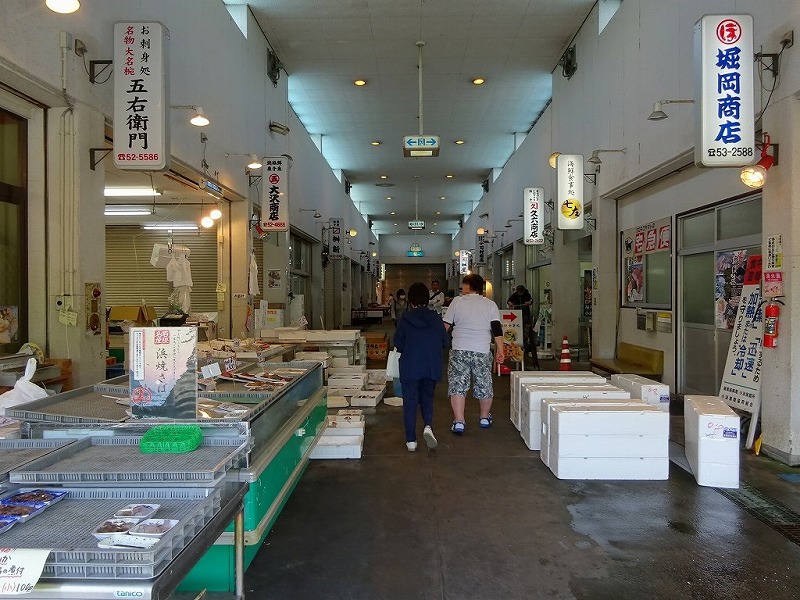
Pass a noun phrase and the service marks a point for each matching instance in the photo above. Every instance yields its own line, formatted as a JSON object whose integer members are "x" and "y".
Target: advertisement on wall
{"x": 637, "y": 244}
{"x": 728, "y": 282}
{"x": 275, "y": 194}
{"x": 570, "y": 191}
{"x": 723, "y": 46}
{"x": 141, "y": 104}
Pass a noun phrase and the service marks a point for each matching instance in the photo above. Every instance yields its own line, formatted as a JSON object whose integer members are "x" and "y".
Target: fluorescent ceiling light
{"x": 127, "y": 211}
{"x": 130, "y": 192}
{"x": 172, "y": 226}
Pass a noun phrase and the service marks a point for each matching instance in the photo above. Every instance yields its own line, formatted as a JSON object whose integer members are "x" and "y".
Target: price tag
{"x": 211, "y": 370}
{"x": 20, "y": 569}
{"x": 230, "y": 364}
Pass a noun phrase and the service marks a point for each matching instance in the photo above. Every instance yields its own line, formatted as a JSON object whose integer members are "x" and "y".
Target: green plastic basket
{"x": 171, "y": 439}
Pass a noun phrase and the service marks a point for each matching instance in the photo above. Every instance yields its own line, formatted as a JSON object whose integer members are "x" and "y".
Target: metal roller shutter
{"x": 132, "y": 280}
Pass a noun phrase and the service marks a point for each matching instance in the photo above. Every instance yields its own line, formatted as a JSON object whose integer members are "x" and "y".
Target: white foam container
{"x": 531, "y": 404}
{"x": 366, "y": 398}
{"x": 518, "y": 378}
{"x": 609, "y": 442}
{"x": 546, "y": 413}
{"x": 652, "y": 392}
{"x": 338, "y": 446}
{"x": 713, "y": 432}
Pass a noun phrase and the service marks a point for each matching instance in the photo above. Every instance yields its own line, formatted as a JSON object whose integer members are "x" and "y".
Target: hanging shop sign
{"x": 448, "y": 269}
{"x": 480, "y": 250}
{"x": 335, "y": 239}
{"x": 532, "y": 209}
{"x": 463, "y": 262}
{"x": 141, "y": 98}
{"x": 275, "y": 194}
{"x": 570, "y": 191}
{"x": 724, "y": 88}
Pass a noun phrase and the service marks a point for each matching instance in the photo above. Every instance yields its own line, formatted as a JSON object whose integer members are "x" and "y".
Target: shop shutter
{"x": 131, "y": 279}
{"x": 258, "y": 249}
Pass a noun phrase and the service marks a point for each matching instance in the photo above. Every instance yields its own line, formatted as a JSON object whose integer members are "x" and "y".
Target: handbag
{"x": 393, "y": 364}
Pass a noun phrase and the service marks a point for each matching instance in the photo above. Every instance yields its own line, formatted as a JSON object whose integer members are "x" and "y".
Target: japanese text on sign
{"x": 274, "y": 194}
{"x": 20, "y": 569}
{"x": 532, "y": 213}
{"x": 570, "y": 191}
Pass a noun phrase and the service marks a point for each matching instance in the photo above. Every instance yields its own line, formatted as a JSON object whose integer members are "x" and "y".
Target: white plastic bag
{"x": 393, "y": 364}
{"x": 24, "y": 391}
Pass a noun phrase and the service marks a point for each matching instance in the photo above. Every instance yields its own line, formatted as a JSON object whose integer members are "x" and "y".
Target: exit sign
{"x": 415, "y": 253}
{"x": 416, "y": 224}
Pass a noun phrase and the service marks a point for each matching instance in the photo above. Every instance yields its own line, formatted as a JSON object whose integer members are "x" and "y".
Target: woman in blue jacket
{"x": 420, "y": 338}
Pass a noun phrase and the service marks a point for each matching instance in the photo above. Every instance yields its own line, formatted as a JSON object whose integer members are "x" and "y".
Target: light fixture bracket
{"x": 93, "y": 153}
{"x": 773, "y": 66}
{"x": 94, "y": 72}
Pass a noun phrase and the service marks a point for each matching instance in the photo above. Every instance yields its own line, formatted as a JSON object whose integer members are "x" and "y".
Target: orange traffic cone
{"x": 566, "y": 359}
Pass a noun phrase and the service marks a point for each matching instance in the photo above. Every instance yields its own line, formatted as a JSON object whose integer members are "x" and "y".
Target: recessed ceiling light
{"x": 397, "y": 232}
{"x": 459, "y": 142}
{"x": 449, "y": 176}
{"x": 384, "y": 177}
{"x": 388, "y": 197}
{"x": 442, "y": 197}
{"x": 392, "y": 213}
{"x": 395, "y": 224}
{"x": 360, "y": 82}
{"x": 438, "y": 212}
{"x": 435, "y": 223}
{"x": 478, "y": 81}
{"x": 375, "y": 143}
{"x": 432, "y": 232}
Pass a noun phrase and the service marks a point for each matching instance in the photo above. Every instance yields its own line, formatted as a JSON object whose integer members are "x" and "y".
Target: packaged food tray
{"x": 67, "y": 527}
{"x": 83, "y": 405}
{"x": 103, "y": 459}
{"x": 16, "y": 453}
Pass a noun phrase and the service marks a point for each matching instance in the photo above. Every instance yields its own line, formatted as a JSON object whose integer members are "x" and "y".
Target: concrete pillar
{"x": 233, "y": 265}
{"x": 276, "y": 247}
{"x": 605, "y": 299}
{"x": 75, "y": 240}
{"x": 780, "y": 383}
{"x": 567, "y": 291}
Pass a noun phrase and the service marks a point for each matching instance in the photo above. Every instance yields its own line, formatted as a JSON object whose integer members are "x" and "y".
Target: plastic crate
{"x": 171, "y": 439}
{"x": 16, "y": 453}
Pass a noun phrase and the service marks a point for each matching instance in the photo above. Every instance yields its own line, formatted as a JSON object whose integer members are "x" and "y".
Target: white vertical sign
{"x": 275, "y": 194}
{"x": 335, "y": 239}
{"x": 723, "y": 46}
{"x": 448, "y": 269}
{"x": 480, "y": 250}
{"x": 570, "y": 191}
{"x": 141, "y": 98}
{"x": 532, "y": 216}
{"x": 463, "y": 262}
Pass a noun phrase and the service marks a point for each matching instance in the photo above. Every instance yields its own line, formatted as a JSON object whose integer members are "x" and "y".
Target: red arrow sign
{"x": 510, "y": 317}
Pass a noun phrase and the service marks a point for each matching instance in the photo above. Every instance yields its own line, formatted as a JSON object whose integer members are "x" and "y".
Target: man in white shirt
{"x": 474, "y": 321}
{"x": 436, "y": 301}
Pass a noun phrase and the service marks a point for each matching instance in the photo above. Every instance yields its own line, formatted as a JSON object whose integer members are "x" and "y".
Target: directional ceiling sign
{"x": 421, "y": 145}
{"x": 416, "y": 224}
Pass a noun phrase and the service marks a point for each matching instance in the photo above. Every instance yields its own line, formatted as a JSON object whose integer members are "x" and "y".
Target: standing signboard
{"x": 513, "y": 337}
{"x": 723, "y": 46}
{"x": 741, "y": 380}
{"x": 141, "y": 98}
{"x": 570, "y": 191}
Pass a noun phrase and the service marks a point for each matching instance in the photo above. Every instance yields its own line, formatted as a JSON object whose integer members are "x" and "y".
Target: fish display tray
{"x": 104, "y": 459}
{"x": 67, "y": 527}
{"x": 16, "y": 453}
{"x": 83, "y": 405}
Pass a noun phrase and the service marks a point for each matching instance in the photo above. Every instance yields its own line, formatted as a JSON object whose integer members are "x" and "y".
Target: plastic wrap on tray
{"x": 137, "y": 511}
{"x": 216, "y": 409}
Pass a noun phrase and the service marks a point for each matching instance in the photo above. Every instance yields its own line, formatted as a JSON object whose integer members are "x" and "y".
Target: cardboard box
{"x": 713, "y": 432}
{"x": 377, "y": 350}
{"x": 140, "y": 315}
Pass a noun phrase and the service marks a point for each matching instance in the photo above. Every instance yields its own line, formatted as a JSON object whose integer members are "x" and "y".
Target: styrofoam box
{"x": 712, "y": 432}
{"x": 348, "y": 370}
{"x": 546, "y": 412}
{"x": 366, "y": 398}
{"x": 338, "y": 446}
{"x": 602, "y": 436}
{"x": 334, "y": 335}
{"x": 518, "y": 378}
{"x": 376, "y": 376}
{"x": 358, "y": 378}
{"x": 652, "y": 392}
{"x": 291, "y": 334}
{"x": 533, "y": 394}
{"x": 340, "y": 361}
{"x": 350, "y": 412}
{"x": 337, "y": 401}
{"x": 346, "y": 418}
{"x": 336, "y": 427}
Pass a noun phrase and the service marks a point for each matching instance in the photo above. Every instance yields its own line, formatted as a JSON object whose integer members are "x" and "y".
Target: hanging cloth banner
{"x": 741, "y": 380}
{"x": 570, "y": 191}
{"x": 275, "y": 194}
{"x": 533, "y": 206}
{"x": 335, "y": 239}
{"x": 480, "y": 250}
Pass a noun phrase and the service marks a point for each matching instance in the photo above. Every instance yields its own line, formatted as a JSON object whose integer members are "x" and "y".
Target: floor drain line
{"x": 771, "y": 512}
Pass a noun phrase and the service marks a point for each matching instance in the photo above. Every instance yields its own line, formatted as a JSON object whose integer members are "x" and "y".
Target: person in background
{"x": 420, "y": 338}
{"x": 475, "y": 321}
{"x": 436, "y": 300}
{"x": 521, "y": 299}
{"x": 399, "y": 305}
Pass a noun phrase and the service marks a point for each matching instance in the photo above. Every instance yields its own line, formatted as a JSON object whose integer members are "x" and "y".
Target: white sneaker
{"x": 430, "y": 439}
{"x": 412, "y": 446}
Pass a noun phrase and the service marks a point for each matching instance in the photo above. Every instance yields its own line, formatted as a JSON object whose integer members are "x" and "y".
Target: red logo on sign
{"x": 638, "y": 244}
{"x": 274, "y": 178}
{"x": 729, "y": 31}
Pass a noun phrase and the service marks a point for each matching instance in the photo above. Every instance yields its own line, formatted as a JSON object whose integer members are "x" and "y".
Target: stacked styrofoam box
{"x": 376, "y": 380}
{"x": 343, "y": 436}
{"x": 712, "y": 432}
{"x": 609, "y": 442}
{"x": 518, "y": 378}
{"x": 334, "y": 335}
{"x": 547, "y": 412}
{"x": 321, "y": 357}
{"x": 531, "y": 403}
{"x": 651, "y": 392}
{"x": 348, "y": 370}
{"x": 366, "y": 398}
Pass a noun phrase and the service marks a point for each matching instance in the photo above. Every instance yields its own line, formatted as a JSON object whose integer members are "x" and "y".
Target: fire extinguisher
{"x": 772, "y": 313}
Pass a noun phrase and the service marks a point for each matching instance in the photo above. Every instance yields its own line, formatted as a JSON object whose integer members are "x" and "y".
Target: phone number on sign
{"x": 730, "y": 152}
{"x": 122, "y": 156}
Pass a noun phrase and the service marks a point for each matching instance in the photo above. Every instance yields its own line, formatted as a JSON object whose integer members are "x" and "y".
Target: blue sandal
{"x": 485, "y": 422}
{"x": 458, "y": 427}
